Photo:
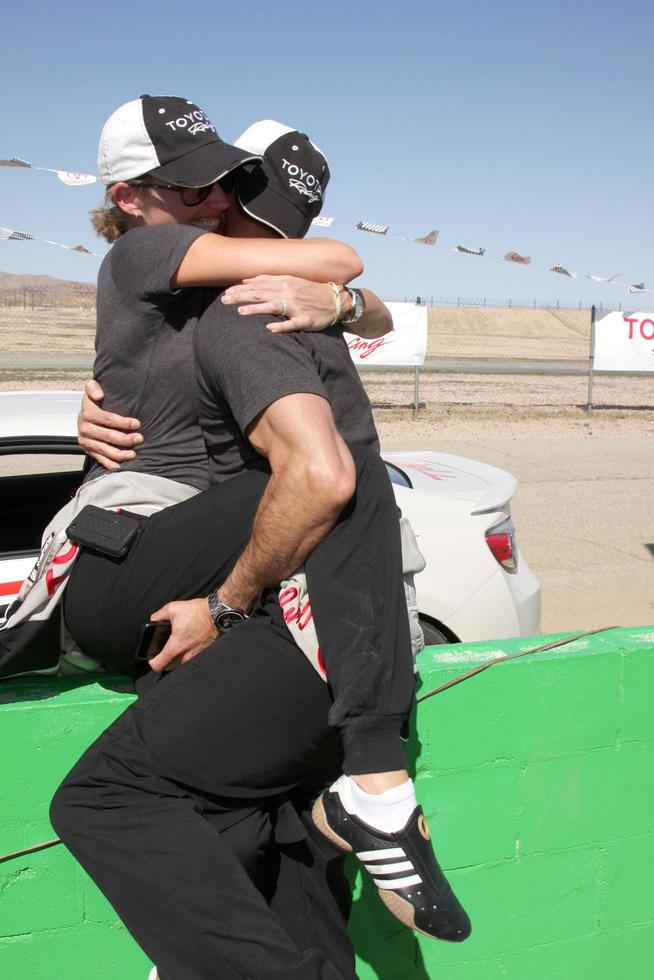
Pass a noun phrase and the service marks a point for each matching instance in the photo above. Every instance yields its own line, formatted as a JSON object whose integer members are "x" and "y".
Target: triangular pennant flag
{"x": 322, "y": 222}
{"x": 81, "y": 248}
{"x": 14, "y": 162}
{"x": 604, "y": 278}
{"x": 7, "y": 234}
{"x": 470, "y": 251}
{"x": 637, "y": 287}
{"x": 560, "y": 269}
{"x": 429, "y": 239}
{"x": 368, "y": 226}
{"x": 516, "y": 257}
{"x": 75, "y": 179}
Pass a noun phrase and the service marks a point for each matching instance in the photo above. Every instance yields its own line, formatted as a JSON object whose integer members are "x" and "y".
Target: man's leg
{"x": 245, "y": 720}
{"x": 299, "y": 873}
{"x": 305, "y": 885}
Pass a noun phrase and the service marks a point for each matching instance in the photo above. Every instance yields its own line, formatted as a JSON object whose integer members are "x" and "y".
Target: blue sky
{"x": 508, "y": 125}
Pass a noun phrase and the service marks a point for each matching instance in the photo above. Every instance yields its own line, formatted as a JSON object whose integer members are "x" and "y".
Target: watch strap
{"x": 356, "y": 310}
{"x": 224, "y": 617}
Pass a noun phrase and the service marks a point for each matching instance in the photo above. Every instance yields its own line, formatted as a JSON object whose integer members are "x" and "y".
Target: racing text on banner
{"x": 624, "y": 342}
{"x": 405, "y": 344}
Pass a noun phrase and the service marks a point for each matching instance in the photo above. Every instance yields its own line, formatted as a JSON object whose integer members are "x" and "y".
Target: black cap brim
{"x": 205, "y": 165}
{"x": 266, "y": 206}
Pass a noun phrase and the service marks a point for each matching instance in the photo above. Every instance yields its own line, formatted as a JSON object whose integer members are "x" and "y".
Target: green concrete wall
{"x": 537, "y": 777}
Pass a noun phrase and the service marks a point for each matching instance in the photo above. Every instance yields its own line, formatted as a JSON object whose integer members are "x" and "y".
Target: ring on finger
{"x": 284, "y": 313}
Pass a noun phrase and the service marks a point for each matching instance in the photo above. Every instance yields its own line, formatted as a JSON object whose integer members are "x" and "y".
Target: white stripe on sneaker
{"x": 398, "y": 882}
{"x": 378, "y": 869}
{"x": 384, "y": 852}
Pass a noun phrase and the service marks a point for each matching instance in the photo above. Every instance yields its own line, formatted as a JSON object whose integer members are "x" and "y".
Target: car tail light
{"x": 501, "y": 541}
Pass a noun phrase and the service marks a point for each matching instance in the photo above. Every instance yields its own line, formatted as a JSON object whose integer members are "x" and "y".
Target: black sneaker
{"x": 403, "y": 867}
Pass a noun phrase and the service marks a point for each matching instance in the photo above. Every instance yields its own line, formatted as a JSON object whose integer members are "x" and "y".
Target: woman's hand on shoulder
{"x": 105, "y": 436}
{"x": 305, "y": 305}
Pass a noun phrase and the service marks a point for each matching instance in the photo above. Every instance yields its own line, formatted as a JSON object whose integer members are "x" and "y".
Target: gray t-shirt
{"x": 243, "y": 368}
{"x": 144, "y": 350}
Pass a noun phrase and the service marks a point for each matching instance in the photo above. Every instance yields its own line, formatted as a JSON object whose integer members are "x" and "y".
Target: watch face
{"x": 228, "y": 620}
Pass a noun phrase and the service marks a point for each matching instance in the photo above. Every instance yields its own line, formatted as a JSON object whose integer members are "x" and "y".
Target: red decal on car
{"x": 9, "y": 588}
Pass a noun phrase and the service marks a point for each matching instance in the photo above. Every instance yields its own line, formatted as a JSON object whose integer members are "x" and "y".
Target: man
{"x": 162, "y": 736}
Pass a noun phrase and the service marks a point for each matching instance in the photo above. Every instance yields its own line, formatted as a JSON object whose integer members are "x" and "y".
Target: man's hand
{"x": 105, "y": 436}
{"x": 192, "y": 630}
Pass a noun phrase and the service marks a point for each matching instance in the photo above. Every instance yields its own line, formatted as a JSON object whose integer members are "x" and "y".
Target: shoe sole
{"x": 319, "y": 817}
{"x": 396, "y": 905}
{"x": 405, "y": 912}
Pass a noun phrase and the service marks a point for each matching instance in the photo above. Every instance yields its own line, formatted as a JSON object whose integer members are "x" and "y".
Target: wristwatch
{"x": 356, "y": 310}
{"x": 224, "y": 617}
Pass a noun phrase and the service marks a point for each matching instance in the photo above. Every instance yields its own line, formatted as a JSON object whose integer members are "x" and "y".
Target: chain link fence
{"x": 525, "y": 353}
{"x": 528, "y": 354}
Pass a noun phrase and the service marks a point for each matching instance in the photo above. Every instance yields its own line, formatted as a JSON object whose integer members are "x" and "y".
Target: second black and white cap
{"x": 285, "y": 191}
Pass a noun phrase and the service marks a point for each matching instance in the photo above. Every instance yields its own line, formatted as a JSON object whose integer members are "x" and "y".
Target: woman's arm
{"x": 309, "y": 305}
{"x": 215, "y": 260}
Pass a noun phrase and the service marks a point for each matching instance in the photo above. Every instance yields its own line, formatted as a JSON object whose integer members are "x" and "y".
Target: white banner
{"x": 624, "y": 342}
{"x": 405, "y": 344}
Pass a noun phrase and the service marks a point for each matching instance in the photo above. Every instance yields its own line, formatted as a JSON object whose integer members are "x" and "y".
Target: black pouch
{"x": 108, "y": 532}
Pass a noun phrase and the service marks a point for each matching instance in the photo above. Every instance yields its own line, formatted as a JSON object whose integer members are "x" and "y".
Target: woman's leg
{"x": 357, "y": 598}
{"x": 354, "y": 577}
{"x": 246, "y": 720}
{"x": 182, "y": 552}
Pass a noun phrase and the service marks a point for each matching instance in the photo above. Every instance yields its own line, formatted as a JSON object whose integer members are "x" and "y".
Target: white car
{"x": 476, "y": 585}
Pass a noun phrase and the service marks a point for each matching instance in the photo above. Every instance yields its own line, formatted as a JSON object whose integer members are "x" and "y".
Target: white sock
{"x": 388, "y": 811}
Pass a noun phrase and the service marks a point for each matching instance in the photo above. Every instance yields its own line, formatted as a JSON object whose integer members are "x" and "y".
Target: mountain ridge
{"x": 11, "y": 280}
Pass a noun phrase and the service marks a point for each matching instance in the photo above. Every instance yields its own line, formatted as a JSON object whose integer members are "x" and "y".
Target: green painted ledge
{"x": 537, "y": 777}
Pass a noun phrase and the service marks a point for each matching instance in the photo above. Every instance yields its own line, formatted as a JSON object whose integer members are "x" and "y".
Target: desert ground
{"x": 584, "y": 506}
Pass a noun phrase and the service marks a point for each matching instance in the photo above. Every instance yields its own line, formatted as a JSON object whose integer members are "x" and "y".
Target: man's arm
{"x": 313, "y": 477}
{"x": 110, "y": 439}
{"x": 105, "y": 436}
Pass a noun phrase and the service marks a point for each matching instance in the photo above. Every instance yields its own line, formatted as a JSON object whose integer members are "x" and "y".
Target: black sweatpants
{"x": 353, "y": 576}
{"x": 242, "y": 725}
{"x": 297, "y": 870}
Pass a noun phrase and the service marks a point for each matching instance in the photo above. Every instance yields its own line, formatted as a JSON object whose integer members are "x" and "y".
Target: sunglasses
{"x": 192, "y": 196}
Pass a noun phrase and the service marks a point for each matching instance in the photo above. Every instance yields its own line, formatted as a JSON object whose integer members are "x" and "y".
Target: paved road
{"x": 70, "y": 361}
{"x": 63, "y": 362}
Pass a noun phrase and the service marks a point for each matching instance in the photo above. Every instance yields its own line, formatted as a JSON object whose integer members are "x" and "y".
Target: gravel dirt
{"x": 584, "y": 505}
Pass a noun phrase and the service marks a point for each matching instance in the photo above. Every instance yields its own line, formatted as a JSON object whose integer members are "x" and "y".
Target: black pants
{"x": 354, "y": 580}
{"x": 248, "y": 721}
{"x": 137, "y": 810}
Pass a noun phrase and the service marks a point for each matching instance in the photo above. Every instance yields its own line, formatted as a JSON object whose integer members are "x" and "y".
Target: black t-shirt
{"x": 144, "y": 350}
{"x": 242, "y": 368}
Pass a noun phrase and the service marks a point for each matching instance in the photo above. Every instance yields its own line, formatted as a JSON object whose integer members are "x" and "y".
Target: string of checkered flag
{"x": 12, "y": 235}
{"x": 80, "y": 179}
{"x": 511, "y": 256}
{"x": 69, "y": 177}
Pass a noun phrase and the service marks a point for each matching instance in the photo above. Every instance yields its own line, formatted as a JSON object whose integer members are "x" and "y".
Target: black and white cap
{"x": 168, "y": 137}
{"x": 285, "y": 191}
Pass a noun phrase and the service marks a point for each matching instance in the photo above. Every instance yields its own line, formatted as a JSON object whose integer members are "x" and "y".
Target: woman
{"x": 176, "y": 255}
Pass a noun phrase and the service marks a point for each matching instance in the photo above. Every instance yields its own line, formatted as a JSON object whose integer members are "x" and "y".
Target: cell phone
{"x": 108, "y": 532}
{"x": 152, "y": 640}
